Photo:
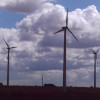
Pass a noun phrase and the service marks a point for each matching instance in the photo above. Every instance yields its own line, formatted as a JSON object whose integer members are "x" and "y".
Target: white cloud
{"x": 22, "y": 6}
{"x": 37, "y": 23}
{"x": 49, "y": 46}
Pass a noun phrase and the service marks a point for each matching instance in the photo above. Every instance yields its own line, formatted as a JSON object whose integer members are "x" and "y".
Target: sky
{"x": 29, "y": 25}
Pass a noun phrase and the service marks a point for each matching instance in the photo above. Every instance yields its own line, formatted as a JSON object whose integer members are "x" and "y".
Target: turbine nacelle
{"x": 64, "y": 28}
{"x": 95, "y": 52}
{"x": 8, "y": 45}
{"x": 11, "y": 47}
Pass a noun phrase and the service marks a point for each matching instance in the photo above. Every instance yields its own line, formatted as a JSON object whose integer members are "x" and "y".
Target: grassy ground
{"x": 48, "y": 93}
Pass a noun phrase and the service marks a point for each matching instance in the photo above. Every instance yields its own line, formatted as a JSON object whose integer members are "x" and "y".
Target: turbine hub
{"x": 64, "y": 28}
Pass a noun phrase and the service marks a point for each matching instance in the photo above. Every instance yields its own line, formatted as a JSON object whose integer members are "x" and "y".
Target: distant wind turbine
{"x": 42, "y": 79}
{"x": 95, "y": 58}
{"x": 8, "y": 47}
{"x": 66, "y": 28}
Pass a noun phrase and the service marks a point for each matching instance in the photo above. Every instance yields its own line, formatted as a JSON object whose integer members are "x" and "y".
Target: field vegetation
{"x": 48, "y": 93}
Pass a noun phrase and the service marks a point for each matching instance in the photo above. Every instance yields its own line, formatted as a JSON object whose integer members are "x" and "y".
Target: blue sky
{"x": 9, "y": 19}
{"x": 31, "y": 29}
{"x": 74, "y": 4}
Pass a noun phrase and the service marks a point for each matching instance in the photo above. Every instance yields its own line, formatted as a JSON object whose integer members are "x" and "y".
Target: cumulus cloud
{"x": 86, "y": 23}
{"x": 37, "y": 23}
{"x": 22, "y": 6}
{"x": 36, "y": 30}
{"x": 79, "y": 23}
{"x": 81, "y": 77}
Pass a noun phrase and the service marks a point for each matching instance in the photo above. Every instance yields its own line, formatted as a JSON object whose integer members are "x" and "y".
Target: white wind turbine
{"x": 95, "y": 59}
{"x": 8, "y": 47}
{"x": 65, "y": 29}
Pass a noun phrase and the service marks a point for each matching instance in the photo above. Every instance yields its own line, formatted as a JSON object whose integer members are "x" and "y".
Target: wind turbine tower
{"x": 95, "y": 58}
{"x": 8, "y": 47}
{"x": 42, "y": 79}
{"x": 65, "y": 29}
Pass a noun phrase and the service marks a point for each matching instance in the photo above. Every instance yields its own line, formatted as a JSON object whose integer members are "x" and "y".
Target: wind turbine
{"x": 42, "y": 78}
{"x": 65, "y": 29}
{"x": 95, "y": 58}
{"x": 8, "y": 47}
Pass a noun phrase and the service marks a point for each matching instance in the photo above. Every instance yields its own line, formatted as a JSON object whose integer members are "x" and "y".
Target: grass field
{"x": 48, "y": 93}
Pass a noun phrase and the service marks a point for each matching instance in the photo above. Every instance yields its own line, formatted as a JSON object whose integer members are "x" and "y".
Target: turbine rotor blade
{"x": 93, "y": 51}
{"x": 67, "y": 18}
{"x": 72, "y": 34}
{"x": 6, "y": 43}
{"x": 59, "y": 31}
{"x": 98, "y": 50}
